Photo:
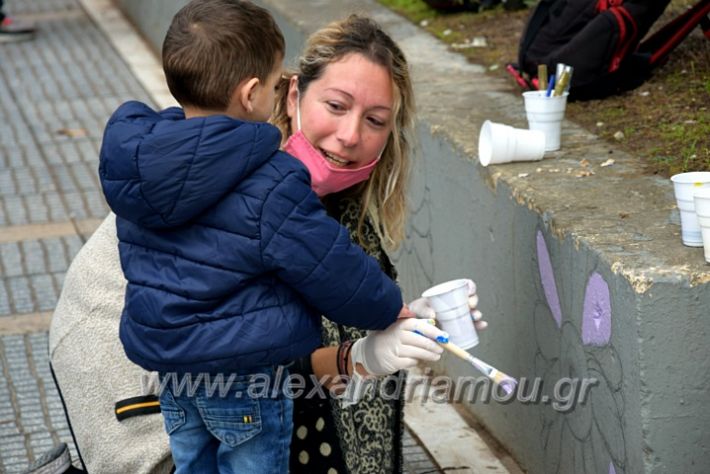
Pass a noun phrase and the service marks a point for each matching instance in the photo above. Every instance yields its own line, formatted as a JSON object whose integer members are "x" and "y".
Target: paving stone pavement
{"x": 56, "y": 93}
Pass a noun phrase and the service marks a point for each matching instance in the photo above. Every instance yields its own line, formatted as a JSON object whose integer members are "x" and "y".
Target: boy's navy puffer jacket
{"x": 230, "y": 257}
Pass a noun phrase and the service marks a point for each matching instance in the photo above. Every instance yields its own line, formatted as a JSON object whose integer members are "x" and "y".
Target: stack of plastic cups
{"x": 450, "y": 302}
{"x": 685, "y": 186}
{"x": 701, "y": 200}
{"x": 545, "y": 113}
{"x": 499, "y": 143}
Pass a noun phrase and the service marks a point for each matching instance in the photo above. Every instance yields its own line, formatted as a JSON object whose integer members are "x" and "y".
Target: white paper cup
{"x": 701, "y": 199}
{"x": 546, "y": 114}
{"x": 685, "y": 185}
{"x": 499, "y": 143}
{"x": 450, "y": 302}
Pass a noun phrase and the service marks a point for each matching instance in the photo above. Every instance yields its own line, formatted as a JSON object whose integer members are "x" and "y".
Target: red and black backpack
{"x": 601, "y": 39}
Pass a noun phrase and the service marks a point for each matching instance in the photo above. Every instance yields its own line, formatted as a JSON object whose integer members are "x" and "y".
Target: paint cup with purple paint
{"x": 499, "y": 143}
{"x": 685, "y": 186}
{"x": 701, "y": 200}
{"x": 450, "y": 302}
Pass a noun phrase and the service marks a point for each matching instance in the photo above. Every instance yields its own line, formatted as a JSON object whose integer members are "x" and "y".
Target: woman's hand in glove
{"x": 398, "y": 347}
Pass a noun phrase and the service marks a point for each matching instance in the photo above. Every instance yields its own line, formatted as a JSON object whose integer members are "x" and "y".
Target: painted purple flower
{"x": 596, "y": 319}
{"x": 590, "y": 437}
{"x": 547, "y": 276}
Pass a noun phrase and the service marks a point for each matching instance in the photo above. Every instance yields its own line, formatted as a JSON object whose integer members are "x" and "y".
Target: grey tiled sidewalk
{"x": 31, "y": 416}
{"x": 56, "y": 93}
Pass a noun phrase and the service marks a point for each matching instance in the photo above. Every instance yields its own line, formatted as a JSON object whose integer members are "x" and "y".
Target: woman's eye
{"x": 335, "y": 106}
{"x": 377, "y": 122}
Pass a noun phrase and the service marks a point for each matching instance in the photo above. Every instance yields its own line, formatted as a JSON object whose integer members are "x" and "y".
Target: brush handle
{"x": 542, "y": 77}
{"x": 496, "y": 375}
{"x": 456, "y": 350}
{"x": 562, "y": 84}
{"x": 550, "y": 85}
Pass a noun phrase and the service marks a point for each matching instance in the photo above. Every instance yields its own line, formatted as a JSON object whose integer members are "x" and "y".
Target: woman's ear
{"x": 292, "y": 96}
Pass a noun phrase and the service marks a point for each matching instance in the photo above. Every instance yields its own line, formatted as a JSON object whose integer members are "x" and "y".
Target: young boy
{"x": 229, "y": 255}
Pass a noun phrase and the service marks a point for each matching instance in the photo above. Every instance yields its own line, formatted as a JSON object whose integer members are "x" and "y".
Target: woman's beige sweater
{"x": 92, "y": 370}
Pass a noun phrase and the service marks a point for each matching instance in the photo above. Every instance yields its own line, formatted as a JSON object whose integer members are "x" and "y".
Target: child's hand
{"x": 406, "y": 313}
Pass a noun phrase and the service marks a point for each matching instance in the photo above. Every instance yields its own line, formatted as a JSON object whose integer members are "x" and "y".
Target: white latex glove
{"x": 423, "y": 310}
{"x": 398, "y": 347}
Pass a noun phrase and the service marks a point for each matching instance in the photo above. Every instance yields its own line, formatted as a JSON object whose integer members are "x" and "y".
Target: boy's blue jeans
{"x": 224, "y": 426}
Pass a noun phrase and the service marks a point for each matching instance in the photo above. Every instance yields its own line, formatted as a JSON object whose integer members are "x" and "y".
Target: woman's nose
{"x": 349, "y": 131}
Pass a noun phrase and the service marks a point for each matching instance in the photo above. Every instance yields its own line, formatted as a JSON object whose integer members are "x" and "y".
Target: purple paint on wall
{"x": 612, "y": 469}
{"x": 547, "y": 276}
{"x": 596, "y": 319}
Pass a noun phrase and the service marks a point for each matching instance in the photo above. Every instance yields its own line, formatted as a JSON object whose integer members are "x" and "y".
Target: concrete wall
{"x": 579, "y": 276}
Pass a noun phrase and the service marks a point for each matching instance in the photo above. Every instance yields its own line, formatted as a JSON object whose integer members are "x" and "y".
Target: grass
{"x": 666, "y": 121}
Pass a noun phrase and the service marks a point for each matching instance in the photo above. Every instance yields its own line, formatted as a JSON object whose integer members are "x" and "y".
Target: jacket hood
{"x": 159, "y": 170}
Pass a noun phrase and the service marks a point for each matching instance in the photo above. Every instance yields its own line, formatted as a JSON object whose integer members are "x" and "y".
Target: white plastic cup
{"x": 701, "y": 199}
{"x": 685, "y": 185}
{"x": 546, "y": 114}
{"x": 450, "y": 302}
{"x": 499, "y": 143}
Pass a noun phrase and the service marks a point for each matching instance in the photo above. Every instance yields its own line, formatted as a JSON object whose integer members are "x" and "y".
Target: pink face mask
{"x": 325, "y": 178}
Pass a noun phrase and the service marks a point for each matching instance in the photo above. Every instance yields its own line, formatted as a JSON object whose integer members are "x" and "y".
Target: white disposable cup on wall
{"x": 685, "y": 185}
{"x": 499, "y": 143}
{"x": 701, "y": 199}
{"x": 546, "y": 114}
{"x": 450, "y": 302}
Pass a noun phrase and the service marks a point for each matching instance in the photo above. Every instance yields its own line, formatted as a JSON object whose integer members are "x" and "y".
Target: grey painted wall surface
{"x": 580, "y": 277}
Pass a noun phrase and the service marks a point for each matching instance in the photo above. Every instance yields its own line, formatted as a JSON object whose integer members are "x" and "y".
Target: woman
{"x": 355, "y": 109}
{"x": 352, "y": 100}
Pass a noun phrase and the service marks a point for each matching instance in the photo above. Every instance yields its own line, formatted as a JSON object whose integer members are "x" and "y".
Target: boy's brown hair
{"x": 213, "y": 45}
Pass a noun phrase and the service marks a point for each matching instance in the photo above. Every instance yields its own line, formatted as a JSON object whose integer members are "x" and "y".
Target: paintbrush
{"x": 563, "y": 81}
{"x": 506, "y": 382}
{"x": 542, "y": 77}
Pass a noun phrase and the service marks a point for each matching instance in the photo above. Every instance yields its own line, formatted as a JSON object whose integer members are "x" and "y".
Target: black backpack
{"x": 600, "y": 39}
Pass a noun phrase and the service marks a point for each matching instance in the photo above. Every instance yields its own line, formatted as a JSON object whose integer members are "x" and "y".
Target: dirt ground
{"x": 666, "y": 121}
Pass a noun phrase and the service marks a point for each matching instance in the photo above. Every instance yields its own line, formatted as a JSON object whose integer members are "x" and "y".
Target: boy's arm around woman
{"x": 313, "y": 254}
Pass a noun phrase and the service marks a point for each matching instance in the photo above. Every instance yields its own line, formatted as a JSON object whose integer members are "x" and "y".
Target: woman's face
{"x": 346, "y": 113}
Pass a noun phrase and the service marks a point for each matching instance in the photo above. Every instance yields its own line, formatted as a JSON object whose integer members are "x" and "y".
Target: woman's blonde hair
{"x": 383, "y": 194}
